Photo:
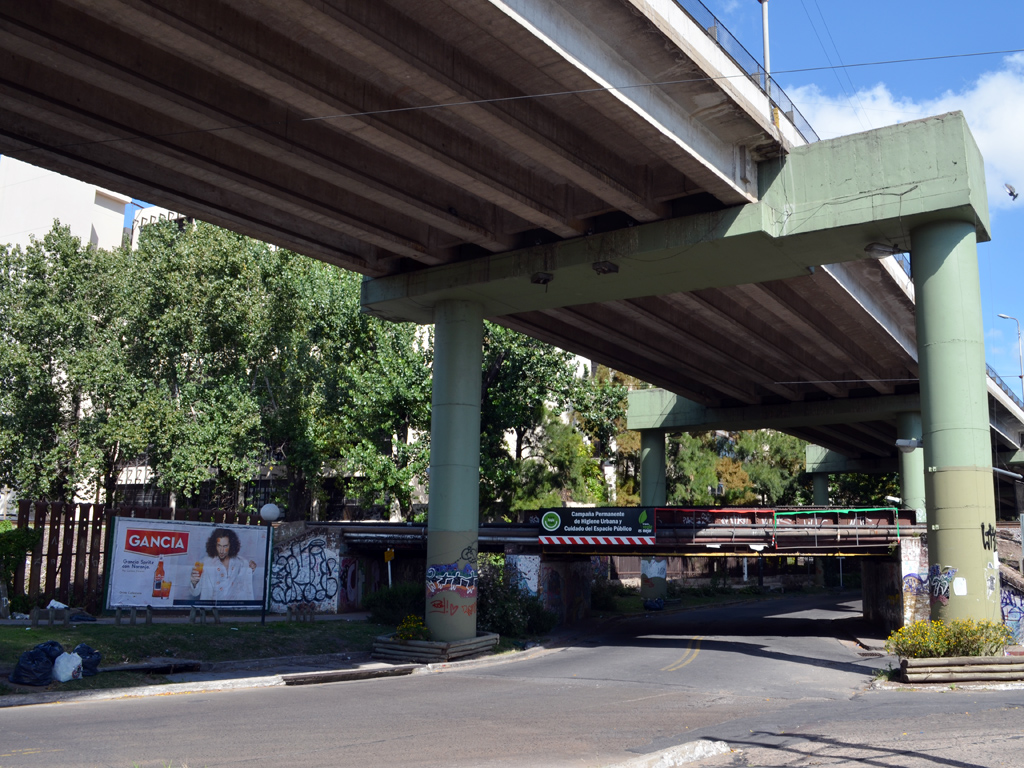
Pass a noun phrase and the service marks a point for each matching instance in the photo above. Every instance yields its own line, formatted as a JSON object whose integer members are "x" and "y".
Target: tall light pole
{"x": 764, "y": 33}
{"x": 1019, "y": 354}
{"x": 270, "y": 514}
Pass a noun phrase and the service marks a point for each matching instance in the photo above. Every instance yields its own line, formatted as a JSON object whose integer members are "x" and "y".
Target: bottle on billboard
{"x": 158, "y": 580}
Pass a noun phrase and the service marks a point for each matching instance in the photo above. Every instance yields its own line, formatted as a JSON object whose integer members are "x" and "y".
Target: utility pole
{"x": 1020, "y": 355}
{"x": 767, "y": 62}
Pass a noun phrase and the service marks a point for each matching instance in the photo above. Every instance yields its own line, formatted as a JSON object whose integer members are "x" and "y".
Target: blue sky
{"x": 988, "y": 89}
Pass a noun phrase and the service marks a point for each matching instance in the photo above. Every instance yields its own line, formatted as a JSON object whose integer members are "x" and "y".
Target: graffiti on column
{"x": 449, "y": 577}
{"x": 988, "y": 536}
{"x": 940, "y": 579}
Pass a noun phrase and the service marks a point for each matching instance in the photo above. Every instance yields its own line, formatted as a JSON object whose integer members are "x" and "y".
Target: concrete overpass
{"x": 608, "y": 175}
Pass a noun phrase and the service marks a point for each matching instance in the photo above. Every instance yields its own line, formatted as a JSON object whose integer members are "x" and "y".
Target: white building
{"x": 31, "y": 198}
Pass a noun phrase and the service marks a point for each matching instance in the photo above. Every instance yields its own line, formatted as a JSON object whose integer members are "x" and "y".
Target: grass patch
{"x": 211, "y": 642}
{"x": 104, "y": 681}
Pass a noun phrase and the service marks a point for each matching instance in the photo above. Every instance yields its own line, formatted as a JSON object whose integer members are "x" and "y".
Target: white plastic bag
{"x": 56, "y": 604}
{"x": 68, "y": 666}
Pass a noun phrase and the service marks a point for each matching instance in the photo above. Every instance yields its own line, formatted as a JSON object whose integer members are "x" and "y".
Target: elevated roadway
{"x": 611, "y": 176}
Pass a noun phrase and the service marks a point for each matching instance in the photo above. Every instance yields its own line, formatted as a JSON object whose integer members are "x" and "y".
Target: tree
{"x": 692, "y": 469}
{"x": 62, "y": 374}
{"x": 522, "y": 377}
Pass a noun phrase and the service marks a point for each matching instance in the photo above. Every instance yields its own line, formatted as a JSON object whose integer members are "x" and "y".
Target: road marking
{"x": 691, "y": 653}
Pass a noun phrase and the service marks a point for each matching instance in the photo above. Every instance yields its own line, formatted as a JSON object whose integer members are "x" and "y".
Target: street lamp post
{"x": 1020, "y": 355}
{"x": 269, "y": 513}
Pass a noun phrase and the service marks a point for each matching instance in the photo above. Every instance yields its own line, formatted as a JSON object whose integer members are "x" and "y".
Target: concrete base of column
{"x": 653, "y": 578}
{"x": 451, "y": 585}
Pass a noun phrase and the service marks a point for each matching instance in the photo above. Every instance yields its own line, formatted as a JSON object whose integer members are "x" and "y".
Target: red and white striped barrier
{"x": 612, "y": 540}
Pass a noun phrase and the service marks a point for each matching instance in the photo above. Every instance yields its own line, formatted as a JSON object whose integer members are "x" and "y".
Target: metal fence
{"x": 70, "y": 561}
{"x": 1002, "y": 385}
{"x": 745, "y": 61}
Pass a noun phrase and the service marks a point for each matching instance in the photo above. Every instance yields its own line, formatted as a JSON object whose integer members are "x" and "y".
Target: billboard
{"x": 598, "y": 525}
{"x": 177, "y": 564}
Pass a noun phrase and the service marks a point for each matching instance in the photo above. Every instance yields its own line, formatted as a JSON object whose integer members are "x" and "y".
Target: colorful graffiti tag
{"x": 915, "y": 584}
{"x": 1013, "y": 613}
{"x": 449, "y": 577}
{"x": 940, "y": 578}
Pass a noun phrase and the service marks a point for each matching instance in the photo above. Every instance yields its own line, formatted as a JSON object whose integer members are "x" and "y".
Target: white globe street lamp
{"x": 269, "y": 513}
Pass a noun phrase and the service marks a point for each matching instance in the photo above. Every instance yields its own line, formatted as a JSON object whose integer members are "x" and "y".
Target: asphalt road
{"x": 771, "y": 679}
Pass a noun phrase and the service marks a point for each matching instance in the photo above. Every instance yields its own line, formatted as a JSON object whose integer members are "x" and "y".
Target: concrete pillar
{"x": 960, "y": 502}
{"x": 820, "y": 488}
{"x": 454, "y": 512}
{"x": 653, "y": 582}
{"x": 908, "y": 427}
{"x": 652, "y": 468}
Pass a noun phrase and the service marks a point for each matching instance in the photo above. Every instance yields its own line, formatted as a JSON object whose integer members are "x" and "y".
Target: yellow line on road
{"x": 691, "y": 653}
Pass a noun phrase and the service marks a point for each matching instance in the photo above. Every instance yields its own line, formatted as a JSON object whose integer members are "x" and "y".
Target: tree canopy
{"x": 212, "y": 358}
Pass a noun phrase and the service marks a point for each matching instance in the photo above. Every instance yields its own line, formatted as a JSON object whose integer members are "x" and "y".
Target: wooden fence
{"x": 70, "y": 561}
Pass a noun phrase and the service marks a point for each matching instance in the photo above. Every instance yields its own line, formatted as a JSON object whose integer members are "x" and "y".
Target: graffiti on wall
{"x": 445, "y": 577}
{"x": 1013, "y": 613}
{"x": 305, "y": 570}
{"x": 524, "y": 572}
{"x": 915, "y": 584}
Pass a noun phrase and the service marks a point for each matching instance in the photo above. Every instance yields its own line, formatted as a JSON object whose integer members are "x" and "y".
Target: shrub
{"x": 390, "y": 605}
{"x": 412, "y": 628}
{"x": 503, "y": 607}
{"x": 937, "y": 639}
{"x": 602, "y": 595}
{"x": 15, "y": 543}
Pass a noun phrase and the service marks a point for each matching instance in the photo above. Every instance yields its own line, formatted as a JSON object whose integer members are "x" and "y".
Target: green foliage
{"x": 692, "y": 462}
{"x": 15, "y": 544}
{"x": 412, "y": 628}
{"x": 858, "y": 490}
{"x": 390, "y": 605}
{"x": 564, "y": 469}
{"x": 209, "y": 354}
{"x": 960, "y": 637}
{"x": 503, "y": 607}
{"x": 603, "y": 593}
{"x": 759, "y": 467}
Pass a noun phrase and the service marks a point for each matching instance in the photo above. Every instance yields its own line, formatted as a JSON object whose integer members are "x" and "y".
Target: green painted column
{"x": 960, "y": 501}
{"x": 652, "y": 467}
{"x": 454, "y": 518}
{"x": 820, "y": 480}
{"x": 908, "y": 427}
{"x": 653, "y": 583}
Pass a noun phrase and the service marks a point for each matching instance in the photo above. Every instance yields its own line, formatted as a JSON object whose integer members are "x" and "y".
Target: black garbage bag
{"x": 51, "y": 648}
{"x": 34, "y": 667}
{"x": 90, "y": 659}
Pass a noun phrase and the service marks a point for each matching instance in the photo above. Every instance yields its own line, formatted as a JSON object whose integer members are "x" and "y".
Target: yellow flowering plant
{"x": 960, "y": 637}
{"x": 412, "y": 628}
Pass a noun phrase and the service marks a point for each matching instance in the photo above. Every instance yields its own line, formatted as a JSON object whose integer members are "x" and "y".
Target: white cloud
{"x": 993, "y": 106}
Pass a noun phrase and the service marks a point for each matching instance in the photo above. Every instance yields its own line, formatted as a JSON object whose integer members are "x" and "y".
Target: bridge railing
{"x": 1003, "y": 385}
{"x": 745, "y": 61}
